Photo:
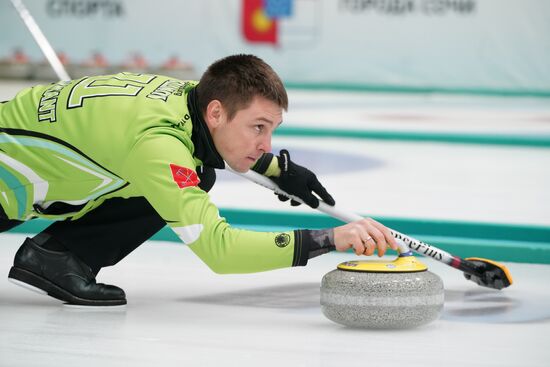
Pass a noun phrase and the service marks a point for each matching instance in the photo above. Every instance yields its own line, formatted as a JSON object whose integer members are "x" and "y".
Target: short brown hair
{"x": 236, "y": 80}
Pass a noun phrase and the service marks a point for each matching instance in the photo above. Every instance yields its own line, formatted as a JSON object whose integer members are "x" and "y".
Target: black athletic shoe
{"x": 63, "y": 276}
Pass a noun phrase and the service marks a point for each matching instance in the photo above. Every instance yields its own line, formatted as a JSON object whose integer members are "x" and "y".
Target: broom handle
{"x": 405, "y": 243}
{"x": 41, "y": 40}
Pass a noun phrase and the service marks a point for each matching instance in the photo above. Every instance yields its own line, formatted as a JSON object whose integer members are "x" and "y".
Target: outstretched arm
{"x": 161, "y": 168}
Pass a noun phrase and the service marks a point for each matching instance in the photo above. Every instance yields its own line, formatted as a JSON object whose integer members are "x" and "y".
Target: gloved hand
{"x": 299, "y": 181}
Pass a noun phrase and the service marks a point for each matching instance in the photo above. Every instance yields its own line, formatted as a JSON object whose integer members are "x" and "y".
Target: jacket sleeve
{"x": 161, "y": 167}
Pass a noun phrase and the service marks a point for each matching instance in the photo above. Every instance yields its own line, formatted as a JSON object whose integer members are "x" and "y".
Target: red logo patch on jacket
{"x": 183, "y": 176}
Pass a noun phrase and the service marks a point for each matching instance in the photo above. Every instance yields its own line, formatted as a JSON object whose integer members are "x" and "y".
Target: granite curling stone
{"x": 382, "y": 295}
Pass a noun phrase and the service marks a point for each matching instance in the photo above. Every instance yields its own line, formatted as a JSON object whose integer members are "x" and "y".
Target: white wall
{"x": 477, "y": 45}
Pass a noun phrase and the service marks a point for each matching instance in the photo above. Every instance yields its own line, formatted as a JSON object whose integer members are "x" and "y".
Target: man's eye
{"x": 259, "y": 128}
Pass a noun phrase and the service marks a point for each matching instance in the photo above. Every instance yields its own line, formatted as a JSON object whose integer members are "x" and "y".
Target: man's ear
{"x": 215, "y": 114}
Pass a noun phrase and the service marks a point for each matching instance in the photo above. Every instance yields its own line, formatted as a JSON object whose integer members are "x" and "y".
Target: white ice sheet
{"x": 180, "y": 313}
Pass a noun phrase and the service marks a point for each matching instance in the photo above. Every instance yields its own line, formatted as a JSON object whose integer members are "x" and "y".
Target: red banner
{"x": 257, "y": 26}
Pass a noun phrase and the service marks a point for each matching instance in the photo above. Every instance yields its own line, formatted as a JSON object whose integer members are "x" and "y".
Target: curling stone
{"x": 382, "y": 294}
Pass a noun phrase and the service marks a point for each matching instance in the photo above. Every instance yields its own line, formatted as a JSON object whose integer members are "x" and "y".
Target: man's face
{"x": 242, "y": 140}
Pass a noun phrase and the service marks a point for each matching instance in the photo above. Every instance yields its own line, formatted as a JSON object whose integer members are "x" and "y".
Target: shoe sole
{"x": 36, "y": 283}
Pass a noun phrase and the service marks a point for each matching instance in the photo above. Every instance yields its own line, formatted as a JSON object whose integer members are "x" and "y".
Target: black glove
{"x": 207, "y": 175}
{"x": 299, "y": 181}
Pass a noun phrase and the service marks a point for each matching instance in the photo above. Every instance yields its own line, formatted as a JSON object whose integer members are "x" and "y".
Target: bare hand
{"x": 364, "y": 237}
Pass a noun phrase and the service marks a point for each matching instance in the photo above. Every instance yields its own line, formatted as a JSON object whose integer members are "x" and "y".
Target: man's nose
{"x": 265, "y": 144}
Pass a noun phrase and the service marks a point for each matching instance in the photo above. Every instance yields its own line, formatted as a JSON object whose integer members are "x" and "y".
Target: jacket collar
{"x": 205, "y": 150}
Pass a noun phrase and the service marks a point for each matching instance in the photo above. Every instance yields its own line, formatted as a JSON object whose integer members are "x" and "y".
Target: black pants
{"x": 105, "y": 235}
